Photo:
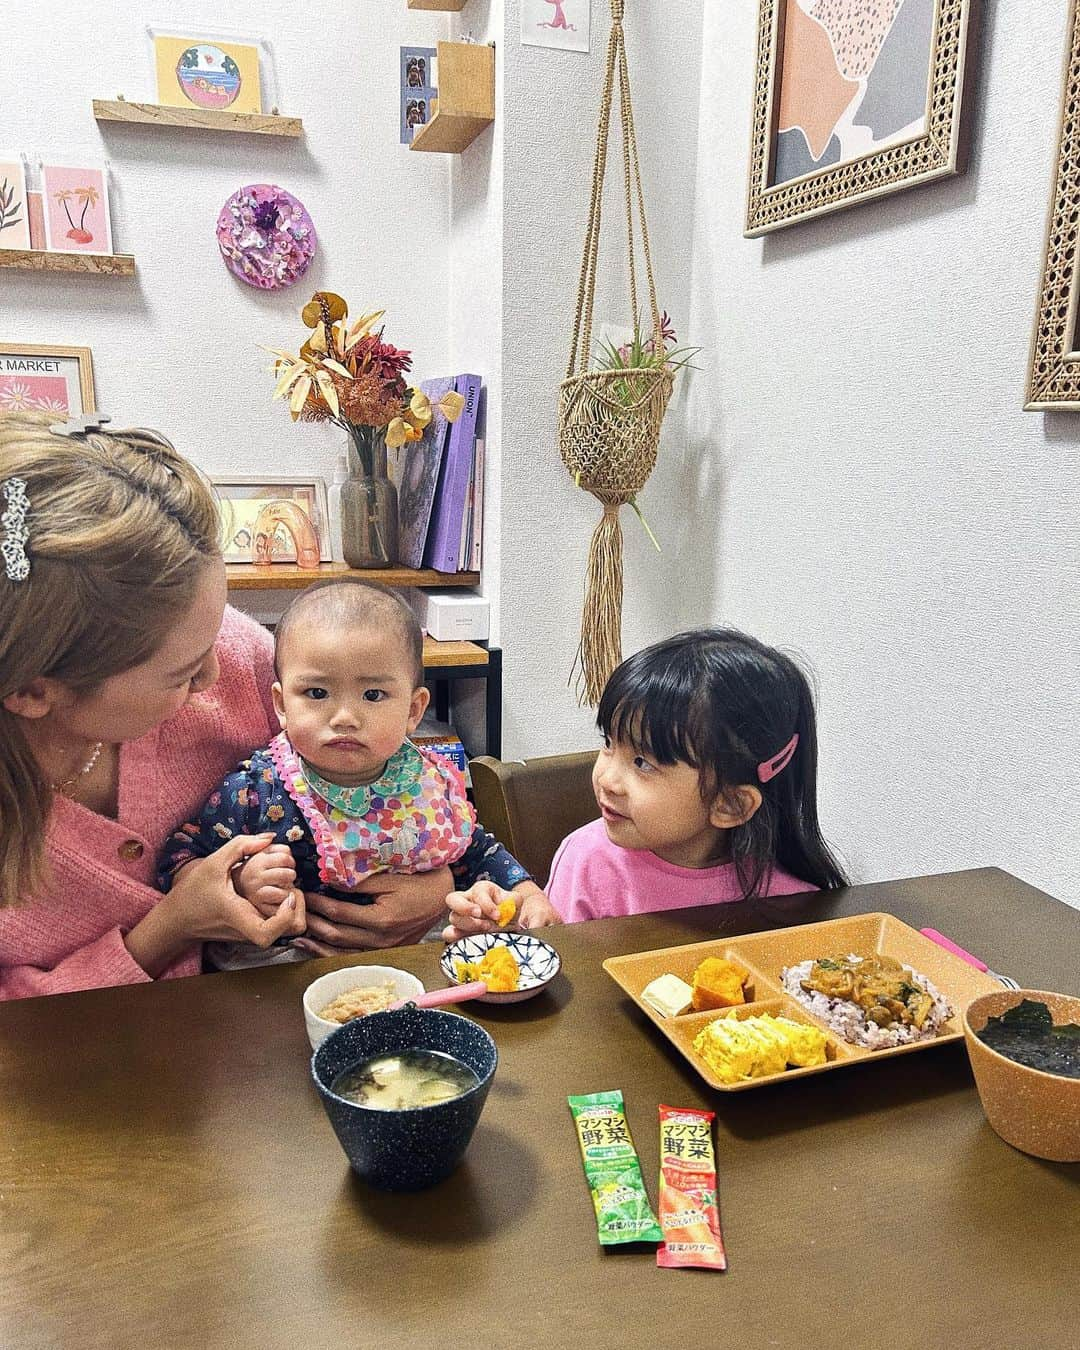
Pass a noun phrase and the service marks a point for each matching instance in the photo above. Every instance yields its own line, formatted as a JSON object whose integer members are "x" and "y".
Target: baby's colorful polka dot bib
{"x": 414, "y": 818}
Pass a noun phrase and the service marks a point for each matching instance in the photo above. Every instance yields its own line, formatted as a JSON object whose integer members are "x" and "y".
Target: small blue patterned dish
{"x": 411, "y": 1149}
{"x": 539, "y": 962}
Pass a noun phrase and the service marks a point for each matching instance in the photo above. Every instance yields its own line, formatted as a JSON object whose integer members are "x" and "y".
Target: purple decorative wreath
{"x": 266, "y": 236}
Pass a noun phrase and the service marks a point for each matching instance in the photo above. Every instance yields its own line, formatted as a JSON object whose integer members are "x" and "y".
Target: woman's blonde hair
{"x": 120, "y": 526}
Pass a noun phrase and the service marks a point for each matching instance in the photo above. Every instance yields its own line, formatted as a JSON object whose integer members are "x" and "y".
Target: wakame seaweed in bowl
{"x": 1024, "y": 1047}
{"x": 1028, "y": 1035}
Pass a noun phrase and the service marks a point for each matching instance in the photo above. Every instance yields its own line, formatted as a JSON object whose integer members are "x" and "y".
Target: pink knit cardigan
{"x": 70, "y": 936}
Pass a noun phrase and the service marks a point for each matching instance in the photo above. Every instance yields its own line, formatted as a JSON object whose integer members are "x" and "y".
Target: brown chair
{"x": 531, "y": 806}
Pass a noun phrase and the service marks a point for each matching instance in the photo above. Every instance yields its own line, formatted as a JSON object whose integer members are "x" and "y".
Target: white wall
{"x": 551, "y": 102}
{"x": 851, "y": 474}
{"x": 179, "y": 347}
{"x": 871, "y": 491}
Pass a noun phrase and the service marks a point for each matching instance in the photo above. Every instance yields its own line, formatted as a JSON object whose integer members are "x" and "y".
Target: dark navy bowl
{"x": 405, "y": 1150}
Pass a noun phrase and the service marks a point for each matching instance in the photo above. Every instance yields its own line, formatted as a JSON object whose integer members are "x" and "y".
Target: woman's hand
{"x": 405, "y": 908}
{"x": 204, "y": 906}
{"x": 477, "y": 909}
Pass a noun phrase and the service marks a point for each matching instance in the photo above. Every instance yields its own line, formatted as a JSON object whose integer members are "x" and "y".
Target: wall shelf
{"x": 288, "y": 577}
{"x": 202, "y": 119}
{"x": 466, "y": 102}
{"x": 439, "y": 655}
{"x": 444, "y": 6}
{"x": 38, "y": 260}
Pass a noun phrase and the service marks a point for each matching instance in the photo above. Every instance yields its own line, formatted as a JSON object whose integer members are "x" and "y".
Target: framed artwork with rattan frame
{"x": 1054, "y": 369}
{"x": 847, "y": 54}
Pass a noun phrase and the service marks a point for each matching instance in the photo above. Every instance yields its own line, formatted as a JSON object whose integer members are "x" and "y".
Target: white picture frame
{"x": 236, "y": 493}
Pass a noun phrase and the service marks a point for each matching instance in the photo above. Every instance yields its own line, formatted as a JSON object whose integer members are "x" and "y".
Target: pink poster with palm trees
{"x": 76, "y": 205}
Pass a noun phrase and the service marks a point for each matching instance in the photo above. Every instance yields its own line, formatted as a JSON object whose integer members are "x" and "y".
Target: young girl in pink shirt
{"x": 706, "y": 783}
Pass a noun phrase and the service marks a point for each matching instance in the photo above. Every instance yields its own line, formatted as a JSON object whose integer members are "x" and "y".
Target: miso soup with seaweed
{"x": 405, "y": 1081}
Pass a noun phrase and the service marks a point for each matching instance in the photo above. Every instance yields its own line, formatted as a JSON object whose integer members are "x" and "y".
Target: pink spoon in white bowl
{"x": 434, "y": 998}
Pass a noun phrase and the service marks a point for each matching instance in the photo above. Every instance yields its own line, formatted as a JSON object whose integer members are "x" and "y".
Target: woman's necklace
{"x": 70, "y": 782}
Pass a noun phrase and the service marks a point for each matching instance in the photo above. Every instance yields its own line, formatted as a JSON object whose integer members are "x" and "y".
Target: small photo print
{"x": 419, "y": 89}
{"x": 76, "y": 205}
{"x": 416, "y": 72}
{"x": 203, "y": 71}
{"x": 14, "y": 211}
{"x": 556, "y": 23}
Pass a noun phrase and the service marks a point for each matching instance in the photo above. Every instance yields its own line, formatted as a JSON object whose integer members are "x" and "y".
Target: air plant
{"x": 640, "y": 358}
{"x": 641, "y": 354}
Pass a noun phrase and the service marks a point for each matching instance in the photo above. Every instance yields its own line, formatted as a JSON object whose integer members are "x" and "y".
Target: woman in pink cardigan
{"x": 127, "y": 690}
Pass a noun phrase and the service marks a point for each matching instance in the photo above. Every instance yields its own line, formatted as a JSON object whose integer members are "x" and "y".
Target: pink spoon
{"x": 434, "y": 998}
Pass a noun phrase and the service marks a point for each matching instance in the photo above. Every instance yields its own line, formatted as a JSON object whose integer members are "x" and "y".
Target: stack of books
{"x": 440, "y": 485}
{"x": 443, "y": 740}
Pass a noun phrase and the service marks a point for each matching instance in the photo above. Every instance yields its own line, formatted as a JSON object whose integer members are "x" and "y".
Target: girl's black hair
{"x": 724, "y": 703}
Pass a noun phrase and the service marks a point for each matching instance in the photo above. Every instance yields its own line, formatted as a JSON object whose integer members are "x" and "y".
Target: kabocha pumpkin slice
{"x": 498, "y": 968}
{"x": 718, "y": 983}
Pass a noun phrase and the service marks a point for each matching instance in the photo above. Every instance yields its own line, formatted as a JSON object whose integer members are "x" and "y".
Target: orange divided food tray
{"x": 765, "y": 954}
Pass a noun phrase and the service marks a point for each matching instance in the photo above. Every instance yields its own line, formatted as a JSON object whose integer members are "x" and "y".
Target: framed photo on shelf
{"x": 56, "y": 380}
{"x": 853, "y": 99}
{"x": 241, "y": 500}
{"x": 205, "y": 69}
{"x": 76, "y": 206}
{"x": 1054, "y": 367}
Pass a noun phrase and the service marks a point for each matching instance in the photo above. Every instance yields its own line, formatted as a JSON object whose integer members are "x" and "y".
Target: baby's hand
{"x": 267, "y": 879}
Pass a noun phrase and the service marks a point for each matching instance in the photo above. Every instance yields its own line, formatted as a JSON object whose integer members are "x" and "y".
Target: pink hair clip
{"x": 769, "y": 768}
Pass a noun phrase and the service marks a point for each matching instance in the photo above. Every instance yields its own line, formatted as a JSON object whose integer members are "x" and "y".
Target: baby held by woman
{"x": 342, "y": 793}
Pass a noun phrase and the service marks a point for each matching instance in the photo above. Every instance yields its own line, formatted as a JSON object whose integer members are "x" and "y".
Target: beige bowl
{"x": 328, "y": 987}
{"x": 1036, "y": 1112}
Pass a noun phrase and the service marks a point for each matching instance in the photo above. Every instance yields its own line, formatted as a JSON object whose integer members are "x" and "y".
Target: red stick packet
{"x": 688, "y": 1212}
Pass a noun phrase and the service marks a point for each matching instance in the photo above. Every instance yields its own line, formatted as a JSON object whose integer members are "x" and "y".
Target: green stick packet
{"x": 612, "y": 1169}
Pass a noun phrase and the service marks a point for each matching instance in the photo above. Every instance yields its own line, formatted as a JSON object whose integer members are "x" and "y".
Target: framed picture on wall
{"x": 210, "y": 70}
{"x": 1054, "y": 368}
{"x": 241, "y": 501}
{"x": 56, "y": 380}
{"x": 853, "y": 99}
{"x": 75, "y": 200}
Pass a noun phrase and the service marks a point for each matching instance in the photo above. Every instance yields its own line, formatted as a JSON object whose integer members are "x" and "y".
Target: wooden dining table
{"x": 168, "y": 1177}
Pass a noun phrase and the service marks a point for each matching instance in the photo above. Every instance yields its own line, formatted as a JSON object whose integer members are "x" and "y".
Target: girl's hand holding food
{"x": 485, "y": 908}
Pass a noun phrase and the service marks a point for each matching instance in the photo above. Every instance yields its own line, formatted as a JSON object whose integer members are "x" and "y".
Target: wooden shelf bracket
{"x": 466, "y": 102}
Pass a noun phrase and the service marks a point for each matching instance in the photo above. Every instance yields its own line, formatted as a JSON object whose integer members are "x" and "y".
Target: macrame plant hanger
{"x": 609, "y": 420}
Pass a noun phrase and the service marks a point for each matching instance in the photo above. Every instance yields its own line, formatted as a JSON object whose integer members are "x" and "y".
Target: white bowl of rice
{"x": 353, "y": 991}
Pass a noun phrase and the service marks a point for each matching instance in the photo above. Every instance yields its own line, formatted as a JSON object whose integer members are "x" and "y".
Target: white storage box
{"x": 455, "y": 616}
